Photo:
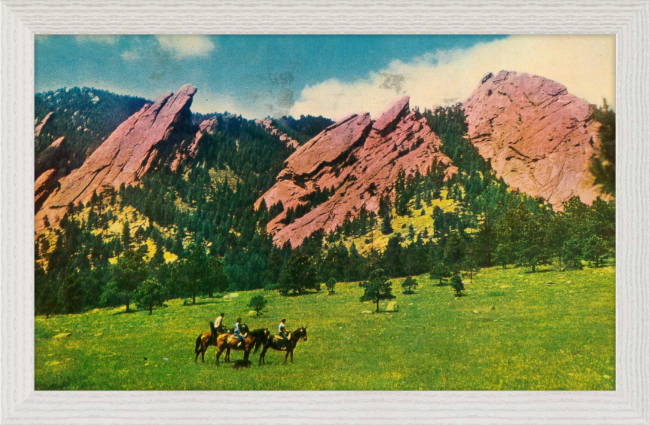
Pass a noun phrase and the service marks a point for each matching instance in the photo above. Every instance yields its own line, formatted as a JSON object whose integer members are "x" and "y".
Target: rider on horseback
{"x": 238, "y": 332}
{"x": 282, "y": 332}
{"x": 218, "y": 325}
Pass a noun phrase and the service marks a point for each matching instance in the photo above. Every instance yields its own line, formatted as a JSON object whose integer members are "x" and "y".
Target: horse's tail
{"x": 198, "y": 344}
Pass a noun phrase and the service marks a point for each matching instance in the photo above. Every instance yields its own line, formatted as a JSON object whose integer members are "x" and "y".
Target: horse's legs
{"x": 226, "y": 358}
{"x": 261, "y": 362}
{"x": 285, "y": 357}
{"x": 291, "y": 356}
{"x": 203, "y": 354}
{"x": 219, "y": 351}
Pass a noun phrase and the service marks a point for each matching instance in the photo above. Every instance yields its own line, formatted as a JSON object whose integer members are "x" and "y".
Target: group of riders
{"x": 238, "y": 331}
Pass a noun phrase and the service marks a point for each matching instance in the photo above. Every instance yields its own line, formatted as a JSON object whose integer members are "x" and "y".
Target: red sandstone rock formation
{"x": 126, "y": 155}
{"x": 188, "y": 148}
{"x": 42, "y": 125}
{"x": 43, "y": 187}
{"x": 357, "y": 158}
{"x": 53, "y": 153}
{"x": 538, "y": 137}
{"x": 267, "y": 124}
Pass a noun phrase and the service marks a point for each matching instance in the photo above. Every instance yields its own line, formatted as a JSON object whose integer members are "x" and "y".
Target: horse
{"x": 205, "y": 340}
{"x": 228, "y": 342}
{"x": 275, "y": 342}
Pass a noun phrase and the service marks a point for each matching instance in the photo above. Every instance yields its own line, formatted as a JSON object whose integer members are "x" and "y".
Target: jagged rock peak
{"x": 127, "y": 154}
{"x": 539, "y": 138}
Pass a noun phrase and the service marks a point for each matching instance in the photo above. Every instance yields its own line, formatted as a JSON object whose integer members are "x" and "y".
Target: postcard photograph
{"x": 325, "y": 212}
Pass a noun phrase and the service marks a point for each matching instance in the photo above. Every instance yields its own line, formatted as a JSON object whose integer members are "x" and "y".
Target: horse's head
{"x": 303, "y": 333}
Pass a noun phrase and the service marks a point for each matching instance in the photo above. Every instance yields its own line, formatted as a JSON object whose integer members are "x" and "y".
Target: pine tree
{"x": 409, "y": 284}
{"x": 257, "y": 303}
{"x": 150, "y": 294}
{"x": 386, "y": 227}
{"x": 377, "y": 288}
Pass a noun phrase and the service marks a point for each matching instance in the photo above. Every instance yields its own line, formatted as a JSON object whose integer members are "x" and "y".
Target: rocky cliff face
{"x": 189, "y": 147}
{"x": 267, "y": 125}
{"x": 538, "y": 137}
{"x": 357, "y": 160}
{"x": 126, "y": 155}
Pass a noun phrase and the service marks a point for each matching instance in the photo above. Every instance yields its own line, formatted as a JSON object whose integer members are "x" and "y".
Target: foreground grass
{"x": 513, "y": 330}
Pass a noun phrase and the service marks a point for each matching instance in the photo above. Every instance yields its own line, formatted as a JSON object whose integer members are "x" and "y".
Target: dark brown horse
{"x": 253, "y": 339}
{"x": 206, "y": 340}
{"x": 276, "y": 343}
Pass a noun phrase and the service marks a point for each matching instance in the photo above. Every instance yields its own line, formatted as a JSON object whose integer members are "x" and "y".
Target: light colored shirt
{"x": 281, "y": 328}
{"x": 237, "y": 329}
{"x": 217, "y": 322}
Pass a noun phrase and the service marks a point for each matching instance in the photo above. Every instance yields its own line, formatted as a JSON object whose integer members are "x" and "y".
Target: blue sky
{"x": 272, "y": 75}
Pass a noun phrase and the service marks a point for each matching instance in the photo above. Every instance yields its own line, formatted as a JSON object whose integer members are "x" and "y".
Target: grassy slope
{"x": 378, "y": 240}
{"x": 512, "y": 331}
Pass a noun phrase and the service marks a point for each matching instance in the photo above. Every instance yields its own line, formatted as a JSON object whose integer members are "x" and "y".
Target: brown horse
{"x": 276, "y": 342}
{"x": 228, "y": 342}
{"x": 206, "y": 340}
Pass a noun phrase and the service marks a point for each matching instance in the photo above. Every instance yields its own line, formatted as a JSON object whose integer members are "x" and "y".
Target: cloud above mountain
{"x": 585, "y": 64}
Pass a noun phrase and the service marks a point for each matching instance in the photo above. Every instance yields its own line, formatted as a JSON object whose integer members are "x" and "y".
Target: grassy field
{"x": 513, "y": 330}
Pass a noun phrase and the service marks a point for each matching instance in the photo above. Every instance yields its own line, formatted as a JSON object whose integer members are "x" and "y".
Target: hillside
{"x": 170, "y": 194}
{"x": 512, "y": 331}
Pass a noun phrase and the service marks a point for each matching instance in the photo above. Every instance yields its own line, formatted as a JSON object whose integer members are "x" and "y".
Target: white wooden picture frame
{"x": 628, "y": 19}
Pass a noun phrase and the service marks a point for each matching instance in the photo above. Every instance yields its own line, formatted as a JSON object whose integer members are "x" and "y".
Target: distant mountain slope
{"x": 126, "y": 155}
{"x": 84, "y": 116}
{"x": 539, "y": 138}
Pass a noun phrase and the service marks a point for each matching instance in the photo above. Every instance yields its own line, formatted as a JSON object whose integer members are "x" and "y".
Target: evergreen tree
{"x": 438, "y": 272}
{"x": 409, "y": 284}
{"x": 377, "y": 288}
{"x": 331, "y": 284}
{"x": 128, "y": 273}
{"x": 150, "y": 294}
{"x": 126, "y": 235}
{"x": 297, "y": 275}
{"x": 386, "y": 227}
{"x": 457, "y": 284}
{"x": 257, "y": 303}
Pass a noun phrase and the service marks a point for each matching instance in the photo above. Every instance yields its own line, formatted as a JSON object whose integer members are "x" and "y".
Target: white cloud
{"x": 585, "y": 64}
{"x": 184, "y": 46}
{"x": 100, "y": 39}
{"x": 130, "y": 55}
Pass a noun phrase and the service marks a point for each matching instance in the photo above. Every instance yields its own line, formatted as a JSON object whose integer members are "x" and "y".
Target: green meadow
{"x": 512, "y": 330}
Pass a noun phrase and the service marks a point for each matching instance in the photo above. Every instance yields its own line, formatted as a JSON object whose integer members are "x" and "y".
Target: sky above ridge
{"x": 335, "y": 75}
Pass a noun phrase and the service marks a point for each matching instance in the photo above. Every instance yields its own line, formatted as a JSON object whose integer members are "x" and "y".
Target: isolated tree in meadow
{"x": 128, "y": 273}
{"x": 257, "y": 303}
{"x": 377, "y": 288}
{"x": 409, "y": 285}
{"x": 297, "y": 275}
{"x": 439, "y": 271}
{"x": 150, "y": 294}
{"x": 331, "y": 283}
{"x": 457, "y": 284}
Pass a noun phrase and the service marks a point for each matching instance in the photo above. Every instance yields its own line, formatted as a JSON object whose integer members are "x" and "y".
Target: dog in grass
{"x": 242, "y": 364}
